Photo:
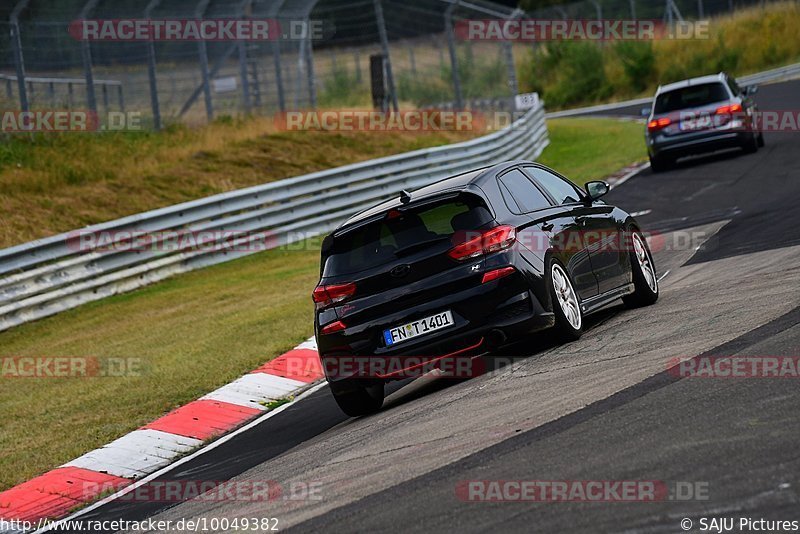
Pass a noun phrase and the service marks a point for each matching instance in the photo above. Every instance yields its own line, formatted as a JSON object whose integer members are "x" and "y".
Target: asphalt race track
{"x": 602, "y": 408}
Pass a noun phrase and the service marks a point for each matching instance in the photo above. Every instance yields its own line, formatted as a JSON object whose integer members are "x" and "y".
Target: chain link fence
{"x": 324, "y": 56}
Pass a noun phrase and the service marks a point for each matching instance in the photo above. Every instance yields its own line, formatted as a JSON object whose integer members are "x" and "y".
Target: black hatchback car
{"x": 457, "y": 268}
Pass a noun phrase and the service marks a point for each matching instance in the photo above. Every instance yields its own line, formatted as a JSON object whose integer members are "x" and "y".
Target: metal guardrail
{"x": 775, "y": 75}
{"x": 50, "y": 275}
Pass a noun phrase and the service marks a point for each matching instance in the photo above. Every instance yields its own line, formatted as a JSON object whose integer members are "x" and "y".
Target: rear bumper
{"x": 696, "y": 143}
{"x": 451, "y": 351}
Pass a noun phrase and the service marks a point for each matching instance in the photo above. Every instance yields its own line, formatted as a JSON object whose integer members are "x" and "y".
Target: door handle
{"x": 547, "y": 226}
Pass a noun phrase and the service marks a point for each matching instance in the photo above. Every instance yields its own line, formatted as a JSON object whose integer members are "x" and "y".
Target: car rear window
{"x": 404, "y": 231}
{"x": 693, "y": 96}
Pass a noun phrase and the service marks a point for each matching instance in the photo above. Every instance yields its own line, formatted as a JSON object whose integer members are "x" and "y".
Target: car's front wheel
{"x": 645, "y": 280}
{"x": 356, "y": 398}
{"x": 566, "y": 305}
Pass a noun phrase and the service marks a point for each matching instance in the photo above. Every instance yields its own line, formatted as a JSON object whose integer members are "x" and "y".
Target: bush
{"x": 638, "y": 63}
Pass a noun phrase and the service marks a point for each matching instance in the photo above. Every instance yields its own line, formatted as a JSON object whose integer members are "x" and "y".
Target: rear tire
{"x": 751, "y": 145}
{"x": 660, "y": 163}
{"x": 566, "y": 303}
{"x": 357, "y": 399}
{"x": 645, "y": 279}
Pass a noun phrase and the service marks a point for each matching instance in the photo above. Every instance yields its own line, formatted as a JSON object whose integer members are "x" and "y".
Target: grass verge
{"x": 199, "y": 331}
{"x": 55, "y": 183}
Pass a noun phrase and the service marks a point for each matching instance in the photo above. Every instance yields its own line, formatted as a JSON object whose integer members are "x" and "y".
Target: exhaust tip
{"x": 495, "y": 338}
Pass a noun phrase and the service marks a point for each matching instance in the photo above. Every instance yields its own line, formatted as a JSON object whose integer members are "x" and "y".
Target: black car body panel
{"x": 394, "y": 270}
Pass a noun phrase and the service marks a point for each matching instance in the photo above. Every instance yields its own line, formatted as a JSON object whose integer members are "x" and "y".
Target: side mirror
{"x": 750, "y": 90}
{"x": 596, "y": 189}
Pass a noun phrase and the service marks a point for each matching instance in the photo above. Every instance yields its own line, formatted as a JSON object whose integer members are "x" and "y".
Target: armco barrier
{"x": 50, "y": 275}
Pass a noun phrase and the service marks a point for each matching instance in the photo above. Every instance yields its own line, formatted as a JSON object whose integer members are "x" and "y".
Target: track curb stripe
{"x": 55, "y": 493}
{"x": 163, "y": 441}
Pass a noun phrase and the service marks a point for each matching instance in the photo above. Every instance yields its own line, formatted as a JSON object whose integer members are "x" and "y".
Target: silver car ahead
{"x": 700, "y": 115}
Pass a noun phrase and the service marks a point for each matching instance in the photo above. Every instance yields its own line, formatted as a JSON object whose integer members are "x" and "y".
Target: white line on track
{"x": 641, "y": 213}
{"x": 183, "y": 460}
{"x": 660, "y": 278}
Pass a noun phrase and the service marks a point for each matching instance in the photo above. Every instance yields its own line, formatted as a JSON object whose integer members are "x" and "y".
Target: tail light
{"x": 493, "y": 240}
{"x": 325, "y": 296}
{"x": 658, "y": 124}
{"x": 729, "y": 110}
{"x": 336, "y": 326}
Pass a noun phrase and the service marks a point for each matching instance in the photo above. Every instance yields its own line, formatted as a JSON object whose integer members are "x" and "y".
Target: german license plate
{"x": 417, "y": 328}
{"x": 696, "y": 123}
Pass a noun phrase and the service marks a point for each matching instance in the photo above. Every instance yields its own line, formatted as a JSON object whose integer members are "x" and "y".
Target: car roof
{"x": 452, "y": 184}
{"x": 711, "y": 78}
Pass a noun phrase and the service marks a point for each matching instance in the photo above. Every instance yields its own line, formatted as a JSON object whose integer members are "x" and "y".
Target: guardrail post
{"x": 451, "y": 46}
{"x": 385, "y": 46}
{"x": 700, "y": 10}
{"x": 121, "y": 98}
{"x": 151, "y": 71}
{"x": 633, "y": 8}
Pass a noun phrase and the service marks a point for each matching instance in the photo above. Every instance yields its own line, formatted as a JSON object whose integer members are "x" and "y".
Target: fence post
{"x": 598, "y": 9}
{"x": 309, "y": 55}
{"x": 358, "y": 66}
{"x": 700, "y": 10}
{"x": 151, "y": 70}
{"x": 19, "y": 62}
{"x": 276, "y": 58}
{"x": 86, "y": 54}
{"x": 202, "y": 50}
{"x": 508, "y": 52}
{"x": 243, "y": 75}
{"x": 385, "y": 46}
{"x": 105, "y": 97}
{"x": 451, "y": 45}
{"x": 633, "y": 8}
